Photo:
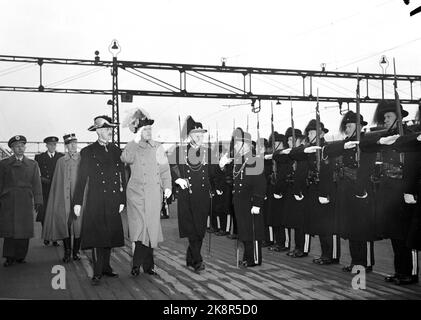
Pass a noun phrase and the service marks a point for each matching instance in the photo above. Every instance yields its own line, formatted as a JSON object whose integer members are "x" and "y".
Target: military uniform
{"x": 20, "y": 190}
{"x": 47, "y": 165}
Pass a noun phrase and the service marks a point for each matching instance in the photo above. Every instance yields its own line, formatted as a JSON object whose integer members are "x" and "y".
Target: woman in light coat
{"x": 150, "y": 178}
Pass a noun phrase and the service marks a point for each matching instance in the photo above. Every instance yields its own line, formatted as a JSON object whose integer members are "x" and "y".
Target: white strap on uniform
{"x": 335, "y": 247}
{"x": 227, "y": 229}
{"x": 414, "y": 262}
{"x": 286, "y": 237}
{"x": 270, "y": 233}
{"x": 208, "y": 222}
{"x": 218, "y": 222}
{"x": 368, "y": 254}
{"x": 306, "y": 243}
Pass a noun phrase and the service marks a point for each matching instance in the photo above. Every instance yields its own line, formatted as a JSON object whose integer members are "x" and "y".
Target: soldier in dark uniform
{"x": 192, "y": 173}
{"x": 47, "y": 163}
{"x": 393, "y": 214}
{"x": 20, "y": 193}
{"x": 101, "y": 188}
{"x": 248, "y": 196}
{"x": 292, "y": 180}
{"x": 320, "y": 214}
{"x": 354, "y": 201}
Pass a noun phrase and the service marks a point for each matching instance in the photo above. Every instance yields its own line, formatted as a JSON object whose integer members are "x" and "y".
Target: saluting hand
{"x": 419, "y": 138}
{"x": 268, "y": 156}
{"x": 312, "y": 149}
{"x": 388, "y": 140}
{"x": 286, "y": 151}
{"x": 351, "y": 144}
{"x": 255, "y": 210}
{"x": 224, "y": 161}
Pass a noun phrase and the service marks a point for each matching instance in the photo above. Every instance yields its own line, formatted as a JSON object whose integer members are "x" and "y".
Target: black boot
{"x": 67, "y": 250}
{"x": 76, "y": 247}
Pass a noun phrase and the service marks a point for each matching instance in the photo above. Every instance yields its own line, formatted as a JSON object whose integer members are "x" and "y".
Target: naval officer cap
{"x": 102, "y": 122}
{"x": 51, "y": 139}
{"x": 16, "y": 139}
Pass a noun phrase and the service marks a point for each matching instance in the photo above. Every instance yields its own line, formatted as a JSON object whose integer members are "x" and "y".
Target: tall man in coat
{"x": 192, "y": 173}
{"x": 150, "y": 179}
{"x": 20, "y": 193}
{"x": 60, "y": 222}
{"x": 101, "y": 172}
{"x": 47, "y": 164}
{"x": 248, "y": 197}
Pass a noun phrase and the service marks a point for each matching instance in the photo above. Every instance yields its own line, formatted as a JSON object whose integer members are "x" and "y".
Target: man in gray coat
{"x": 150, "y": 179}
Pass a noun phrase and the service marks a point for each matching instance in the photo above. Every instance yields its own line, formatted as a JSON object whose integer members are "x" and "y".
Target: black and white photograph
{"x": 215, "y": 157}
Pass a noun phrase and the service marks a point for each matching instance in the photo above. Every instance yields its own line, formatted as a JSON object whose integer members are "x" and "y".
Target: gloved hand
{"x": 182, "y": 183}
{"x": 409, "y": 198}
{"x": 312, "y": 149}
{"x": 298, "y": 197}
{"x": 365, "y": 195}
{"x": 419, "y": 138}
{"x": 255, "y": 210}
{"x": 167, "y": 193}
{"x": 324, "y": 200}
{"x": 268, "y": 156}
{"x": 286, "y": 151}
{"x": 388, "y": 140}
{"x": 76, "y": 209}
{"x": 121, "y": 208}
{"x": 277, "y": 196}
{"x": 219, "y": 192}
{"x": 351, "y": 144}
{"x": 224, "y": 160}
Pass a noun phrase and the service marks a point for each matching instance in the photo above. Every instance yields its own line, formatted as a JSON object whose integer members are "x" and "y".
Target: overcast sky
{"x": 279, "y": 34}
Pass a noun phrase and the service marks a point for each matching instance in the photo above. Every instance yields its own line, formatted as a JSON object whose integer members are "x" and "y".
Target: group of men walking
{"x": 363, "y": 188}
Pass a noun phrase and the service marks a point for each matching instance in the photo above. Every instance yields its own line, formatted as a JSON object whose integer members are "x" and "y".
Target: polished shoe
{"x": 249, "y": 265}
{"x": 20, "y": 261}
{"x": 151, "y": 272}
{"x": 232, "y": 236}
{"x": 267, "y": 244}
{"x": 222, "y": 233}
{"x": 76, "y": 256}
{"x": 369, "y": 269}
{"x": 348, "y": 268}
{"x": 405, "y": 280}
{"x": 199, "y": 267}
{"x": 291, "y": 253}
{"x": 95, "y": 280}
{"x": 110, "y": 274}
{"x": 279, "y": 248}
{"x": 55, "y": 244}
{"x": 8, "y": 262}
{"x": 391, "y": 278}
{"x": 323, "y": 261}
{"x": 335, "y": 261}
{"x": 66, "y": 258}
{"x": 46, "y": 243}
{"x": 189, "y": 264}
{"x": 210, "y": 230}
{"x": 135, "y": 271}
{"x": 165, "y": 217}
{"x": 299, "y": 254}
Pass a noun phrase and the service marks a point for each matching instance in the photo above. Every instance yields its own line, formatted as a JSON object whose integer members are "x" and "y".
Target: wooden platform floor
{"x": 280, "y": 277}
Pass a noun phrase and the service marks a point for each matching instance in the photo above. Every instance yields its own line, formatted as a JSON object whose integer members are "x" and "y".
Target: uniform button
{"x": 103, "y": 181}
{"x": 115, "y": 182}
{"x": 203, "y": 185}
{"x": 241, "y": 185}
{"x": 188, "y": 171}
{"x": 105, "y": 191}
{"x": 113, "y": 191}
{"x": 102, "y": 172}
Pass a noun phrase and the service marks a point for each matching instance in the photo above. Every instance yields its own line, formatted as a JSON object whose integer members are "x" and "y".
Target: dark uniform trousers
{"x": 302, "y": 241}
{"x": 143, "y": 255}
{"x": 193, "y": 256}
{"x": 16, "y": 249}
{"x": 282, "y": 236}
{"x": 405, "y": 260}
{"x": 101, "y": 260}
{"x": 249, "y": 253}
{"x": 331, "y": 246}
{"x": 362, "y": 253}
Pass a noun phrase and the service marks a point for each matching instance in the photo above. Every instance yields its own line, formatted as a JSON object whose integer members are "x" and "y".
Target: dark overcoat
{"x": 102, "y": 173}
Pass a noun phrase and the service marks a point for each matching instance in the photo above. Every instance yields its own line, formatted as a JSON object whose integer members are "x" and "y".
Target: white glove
{"x": 182, "y": 183}
{"x": 277, "y": 196}
{"x": 286, "y": 151}
{"x": 298, "y": 197}
{"x": 219, "y": 192}
{"x": 351, "y": 144}
{"x": 389, "y": 140}
{"x": 224, "y": 161}
{"x": 409, "y": 198}
{"x": 419, "y": 138}
{"x": 138, "y": 136}
{"x": 255, "y": 210}
{"x": 363, "y": 196}
{"x": 76, "y": 209}
{"x": 312, "y": 149}
{"x": 167, "y": 193}
{"x": 268, "y": 156}
{"x": 324, "y": 200}
{"x": 121, "y": 208}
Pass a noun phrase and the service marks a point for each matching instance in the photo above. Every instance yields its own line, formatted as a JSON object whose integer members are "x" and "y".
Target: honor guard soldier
{"x": 20, "y": 193}
{"x": 60, "y": 221}
{"x": 354, "y": 196}
{"x": 396, "y": 176}
{"x": 149, "y": 184}
{"x": 192, "y": 173}
{"x": 47, "y": 164}
{"x": 101, "y": 189}
{"x": 248, "y": 197}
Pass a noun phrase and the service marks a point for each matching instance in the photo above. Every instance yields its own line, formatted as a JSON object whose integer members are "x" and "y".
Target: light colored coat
{"x": 150, "y": 176}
